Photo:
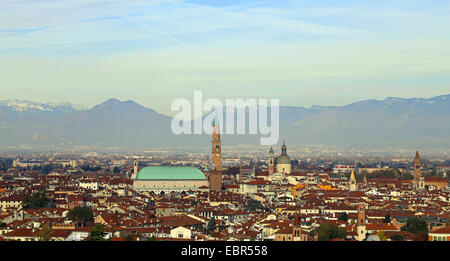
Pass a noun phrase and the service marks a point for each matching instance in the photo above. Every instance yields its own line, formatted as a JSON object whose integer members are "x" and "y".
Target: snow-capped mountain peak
{"x": 23, "y": 105}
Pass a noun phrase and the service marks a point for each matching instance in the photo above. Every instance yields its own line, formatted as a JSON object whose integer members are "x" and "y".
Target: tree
{"x": 253, "y": 205}
{"x": 47, "y": 168}
{"x": 152, "y": 238}
{"x": 415, "y": 225}
{"x": 46, "y": 232}
{"x": 397, "y": 238}
{"x": 211, "y": 224}
{"x": 313, "y": 233}
{"x": 97, "y": 233}
{"x": 36, "y": 201}
{"x": 83, "y": 214}
{"x": 222, "y": 228}
{"x": 407, "y": 176}
{"x": 129, "y": 238}
{"x": 343, "y": 216}
{"x": 390, "y": 173}
{"x": 430, "y": 173}
{"x": 381, "y": 235}
{"x": 328, "y": 231}
{"x": 232, "y": 171}
{"x": 89, "y": 168}
{"x": 387, "y": 219}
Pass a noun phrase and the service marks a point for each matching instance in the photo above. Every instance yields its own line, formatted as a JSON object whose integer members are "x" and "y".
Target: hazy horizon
{"x": 170, "y": 113}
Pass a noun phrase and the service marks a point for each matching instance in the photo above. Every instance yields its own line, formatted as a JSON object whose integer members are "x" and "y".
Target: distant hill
{"x": 370, "y": 124}
{"x": 373, "y": 123}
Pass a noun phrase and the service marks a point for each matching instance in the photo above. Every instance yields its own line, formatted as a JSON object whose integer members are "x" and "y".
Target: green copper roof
{"x": 170, "y": 173}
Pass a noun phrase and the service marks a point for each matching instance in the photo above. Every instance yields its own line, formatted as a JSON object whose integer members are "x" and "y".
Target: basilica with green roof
{"x": 169, "y": 178}
{"x": 173, "y": 178}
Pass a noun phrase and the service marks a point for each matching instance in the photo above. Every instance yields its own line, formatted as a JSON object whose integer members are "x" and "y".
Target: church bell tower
{"x": 417, "y": 168}
{"x": 135, "y": 169}
{"x": 361, "y": 223}
{"x": 215, "y": 176}
{"x": 353, "y": 186}
{"x": 271, "y": 161}
{"x": 216, "y": 147}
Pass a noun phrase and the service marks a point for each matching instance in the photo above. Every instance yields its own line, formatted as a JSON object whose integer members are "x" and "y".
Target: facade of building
{"x": 441, "y": 234}
{"x": 13, "y": 201}
{"x": 291, "y": 234}
{"x": 181, "y": 233}
{"x": 343, "y": 169}
{"x": 433, "y": 183}
{"x": 215, "y": 180}
{"x": 26, "y": 164}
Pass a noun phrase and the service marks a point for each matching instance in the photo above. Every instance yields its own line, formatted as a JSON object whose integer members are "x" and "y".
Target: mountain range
{"x": 423, "y": 122}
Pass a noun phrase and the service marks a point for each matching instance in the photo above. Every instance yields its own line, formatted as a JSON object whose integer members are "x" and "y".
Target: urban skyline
{"x": 297, "y": 121}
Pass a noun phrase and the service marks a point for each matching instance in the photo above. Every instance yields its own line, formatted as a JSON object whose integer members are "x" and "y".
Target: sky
{"x": 303, "y": 52}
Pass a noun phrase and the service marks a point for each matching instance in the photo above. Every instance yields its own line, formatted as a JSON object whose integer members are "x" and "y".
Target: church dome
{"x": 170, "y": 173}
{"x": 283, "y": 159}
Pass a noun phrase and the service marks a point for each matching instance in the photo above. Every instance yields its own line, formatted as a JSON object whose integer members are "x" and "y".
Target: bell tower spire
{"x": 353, "y": 186}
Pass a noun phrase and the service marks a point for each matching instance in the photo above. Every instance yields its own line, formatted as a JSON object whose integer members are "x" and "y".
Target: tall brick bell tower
{"x": 271, "y": 166}
{"x": 417, "y": 172}
{"x": 215, "y": 177}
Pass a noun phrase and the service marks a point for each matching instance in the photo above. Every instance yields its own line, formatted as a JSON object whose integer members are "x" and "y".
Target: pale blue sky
{"x": 304, "y": 52}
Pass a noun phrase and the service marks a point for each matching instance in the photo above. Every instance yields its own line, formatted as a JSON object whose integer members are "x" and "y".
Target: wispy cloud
{"x": 168, "y": 18}
{"x": 153, "y": 29}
